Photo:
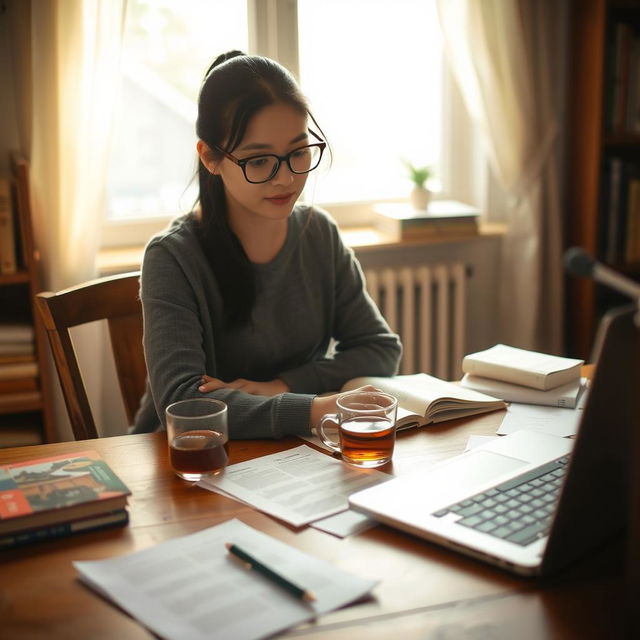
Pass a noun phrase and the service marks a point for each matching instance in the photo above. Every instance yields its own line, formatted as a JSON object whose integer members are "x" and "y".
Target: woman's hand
{"x": 271, "y": 388}
{"x": 327, "y": 404}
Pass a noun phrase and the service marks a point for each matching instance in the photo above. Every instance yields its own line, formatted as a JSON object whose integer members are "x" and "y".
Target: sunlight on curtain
{"x": 499, "y": 52}
{"x": 75, "y": 67}
{"x": 76, "y": 52}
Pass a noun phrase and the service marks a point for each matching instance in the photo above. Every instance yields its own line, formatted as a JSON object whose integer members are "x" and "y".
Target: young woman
{"x": 243, "y": 297}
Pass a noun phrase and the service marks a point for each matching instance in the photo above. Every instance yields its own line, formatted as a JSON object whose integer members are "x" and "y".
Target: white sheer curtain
{"x": 65, "y": 114}
{"x": 501, "y": 55}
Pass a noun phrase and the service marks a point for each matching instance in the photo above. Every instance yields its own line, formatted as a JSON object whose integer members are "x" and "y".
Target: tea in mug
{"x": 366, "y": 421}
{"x": 367, "y": 440}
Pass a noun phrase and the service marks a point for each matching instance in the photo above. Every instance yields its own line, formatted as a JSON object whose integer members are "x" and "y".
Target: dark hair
{"x": 235, "y": 88}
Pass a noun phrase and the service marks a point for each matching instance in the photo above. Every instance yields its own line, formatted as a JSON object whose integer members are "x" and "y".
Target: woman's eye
{"x": 257, "y": 163}
{"x": 300, "y": 153}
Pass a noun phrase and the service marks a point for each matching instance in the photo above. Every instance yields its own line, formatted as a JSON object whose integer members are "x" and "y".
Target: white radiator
{"x": 426, "y": 306}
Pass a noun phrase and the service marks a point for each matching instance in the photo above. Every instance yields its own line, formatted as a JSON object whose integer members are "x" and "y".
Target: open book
{"x": 423, "y": 399}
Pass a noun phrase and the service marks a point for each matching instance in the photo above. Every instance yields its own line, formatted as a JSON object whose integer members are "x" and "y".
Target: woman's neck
{"x": 262, "y": 240}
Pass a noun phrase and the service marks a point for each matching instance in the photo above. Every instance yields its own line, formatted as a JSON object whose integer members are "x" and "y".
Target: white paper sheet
{"x": 475, "y": 440}
{"x": 298, "y": 486}
{"x": 557, "y": 421}
{"x": 190, "y": 587}
{"x": 345, "y": 523}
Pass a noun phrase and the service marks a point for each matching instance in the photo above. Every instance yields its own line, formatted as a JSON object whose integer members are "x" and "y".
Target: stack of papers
{"x": 553, "y": 420}
{"x": 190, "y": 587}
{"x": 539, "y": 386}
{"x": 300, "y": 486}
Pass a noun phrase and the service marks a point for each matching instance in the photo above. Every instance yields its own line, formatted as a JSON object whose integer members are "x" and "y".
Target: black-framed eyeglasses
{"x": 265, "y": 166}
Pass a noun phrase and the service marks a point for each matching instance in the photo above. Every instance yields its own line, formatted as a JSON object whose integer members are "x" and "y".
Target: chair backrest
{"x": 116, "y": 300}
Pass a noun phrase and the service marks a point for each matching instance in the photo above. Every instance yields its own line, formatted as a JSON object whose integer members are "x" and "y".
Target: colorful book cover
{"x": 46, "y": 490}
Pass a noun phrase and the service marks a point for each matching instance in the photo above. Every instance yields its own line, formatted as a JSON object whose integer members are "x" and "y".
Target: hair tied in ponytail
{"x": 223, "y": 57}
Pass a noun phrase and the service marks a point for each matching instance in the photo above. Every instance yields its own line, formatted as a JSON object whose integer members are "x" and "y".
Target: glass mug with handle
{"x": 366, "y": 427}
{"x": 198, "y": 437}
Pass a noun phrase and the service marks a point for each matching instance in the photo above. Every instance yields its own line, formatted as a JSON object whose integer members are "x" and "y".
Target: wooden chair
{"x": 116, "y": 300}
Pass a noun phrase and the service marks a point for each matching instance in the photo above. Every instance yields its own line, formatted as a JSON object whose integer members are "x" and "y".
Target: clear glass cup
{"x": 366, "y": 427}
{"x": 198, "y": 437}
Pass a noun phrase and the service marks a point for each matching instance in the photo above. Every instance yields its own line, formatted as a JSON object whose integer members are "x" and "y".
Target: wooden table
{"x": 424, "y": 591}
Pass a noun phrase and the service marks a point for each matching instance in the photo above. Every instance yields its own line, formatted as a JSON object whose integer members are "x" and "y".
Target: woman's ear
{"x": 206, "y": 157}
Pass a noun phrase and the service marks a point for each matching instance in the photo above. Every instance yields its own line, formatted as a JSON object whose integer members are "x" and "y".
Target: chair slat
{"x": 116, "y": 300}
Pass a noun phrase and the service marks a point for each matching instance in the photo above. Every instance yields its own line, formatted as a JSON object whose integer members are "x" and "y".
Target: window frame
{"x": 273, "y": 32}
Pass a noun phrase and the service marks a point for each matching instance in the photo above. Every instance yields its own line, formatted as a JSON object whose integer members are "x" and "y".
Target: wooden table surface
{"x": 424, "y": 591}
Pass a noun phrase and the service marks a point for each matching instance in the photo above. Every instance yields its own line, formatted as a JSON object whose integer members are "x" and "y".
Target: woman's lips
{"x": 284, "y": 198}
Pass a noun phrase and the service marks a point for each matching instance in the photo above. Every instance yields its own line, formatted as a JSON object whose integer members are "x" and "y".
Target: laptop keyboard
{"x": 518, "y": 510}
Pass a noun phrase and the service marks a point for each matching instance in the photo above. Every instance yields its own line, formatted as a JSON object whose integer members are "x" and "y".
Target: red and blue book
{"x": 57, "y": 496}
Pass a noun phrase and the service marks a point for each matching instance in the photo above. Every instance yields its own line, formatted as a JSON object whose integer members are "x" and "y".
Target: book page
{"x": 190, "y": 587}
{"x": 418, "y": 392}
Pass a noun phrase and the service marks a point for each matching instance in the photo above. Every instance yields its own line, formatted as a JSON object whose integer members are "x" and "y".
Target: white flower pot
{"x": 420, "y": 197}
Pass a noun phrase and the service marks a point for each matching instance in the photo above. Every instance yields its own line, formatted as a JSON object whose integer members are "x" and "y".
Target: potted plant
{"x": 420, "y": 195}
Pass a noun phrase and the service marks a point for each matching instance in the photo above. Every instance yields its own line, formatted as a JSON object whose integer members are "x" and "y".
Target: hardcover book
{"x": 520, "y": 366}
{"x": 566, "y": 395}
{"x": 52, "y": 531}
{"x": 60, "y": 489}
{"x": 443, "y": 218}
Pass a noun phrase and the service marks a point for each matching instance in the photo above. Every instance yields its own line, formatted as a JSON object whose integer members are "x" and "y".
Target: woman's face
{"x": 276, "y": 129}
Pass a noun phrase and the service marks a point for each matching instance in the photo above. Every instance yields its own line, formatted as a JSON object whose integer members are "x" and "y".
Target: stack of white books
{"x": 519, "y": 375}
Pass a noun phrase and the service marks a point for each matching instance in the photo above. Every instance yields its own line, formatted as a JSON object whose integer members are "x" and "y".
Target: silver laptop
{"x": 531, "y": 502}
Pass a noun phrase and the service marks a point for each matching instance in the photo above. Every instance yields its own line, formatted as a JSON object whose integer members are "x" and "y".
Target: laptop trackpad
{"x": 481, "y": 466}
{"x": 471, "y": 470}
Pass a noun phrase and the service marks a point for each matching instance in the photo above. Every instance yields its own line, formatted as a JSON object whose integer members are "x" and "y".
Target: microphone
{"x": 580, "y": 263}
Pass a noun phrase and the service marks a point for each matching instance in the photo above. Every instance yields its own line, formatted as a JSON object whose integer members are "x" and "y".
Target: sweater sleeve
{"x": 364, "y": 343}
{"x": 176, "y": 298}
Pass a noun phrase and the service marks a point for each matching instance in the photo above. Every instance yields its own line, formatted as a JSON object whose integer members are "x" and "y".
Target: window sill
{"x": 122, "y": 259}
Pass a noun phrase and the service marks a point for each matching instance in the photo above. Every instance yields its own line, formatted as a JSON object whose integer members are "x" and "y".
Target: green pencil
{"x": 251, "y": 563}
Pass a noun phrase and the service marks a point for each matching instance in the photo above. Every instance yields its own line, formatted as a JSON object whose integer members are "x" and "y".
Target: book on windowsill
{"x": 37, "y": 494}
{"x": 520, "y": 366}
{"x": 565, "y": 395}
{"x": 401, "y": 221}
{"x": 424, "y": 399}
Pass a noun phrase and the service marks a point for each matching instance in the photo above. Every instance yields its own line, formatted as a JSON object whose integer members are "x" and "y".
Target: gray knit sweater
{"x": 310, "y": 293}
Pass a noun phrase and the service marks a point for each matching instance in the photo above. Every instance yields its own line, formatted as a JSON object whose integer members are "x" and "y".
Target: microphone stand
{"x": 614, "y": 280}
{"x": 580, "y": 263}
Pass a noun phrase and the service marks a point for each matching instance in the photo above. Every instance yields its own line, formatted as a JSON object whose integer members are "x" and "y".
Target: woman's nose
{"x": 284, "y": 175}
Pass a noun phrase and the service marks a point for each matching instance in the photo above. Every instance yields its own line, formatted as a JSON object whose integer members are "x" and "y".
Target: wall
{"x": 8, "y": 124}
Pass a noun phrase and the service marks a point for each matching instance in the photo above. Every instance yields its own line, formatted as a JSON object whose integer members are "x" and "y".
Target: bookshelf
{"x": 25, "y": 406}
{"x": 603, "y": 155}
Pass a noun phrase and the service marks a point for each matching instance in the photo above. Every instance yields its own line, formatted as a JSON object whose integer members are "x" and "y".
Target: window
{"x": 372, "y": 70}
{"x": 168, "y": 46}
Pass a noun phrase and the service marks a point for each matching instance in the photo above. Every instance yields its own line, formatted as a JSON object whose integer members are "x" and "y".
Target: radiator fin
{"x": 426, "y": 306}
